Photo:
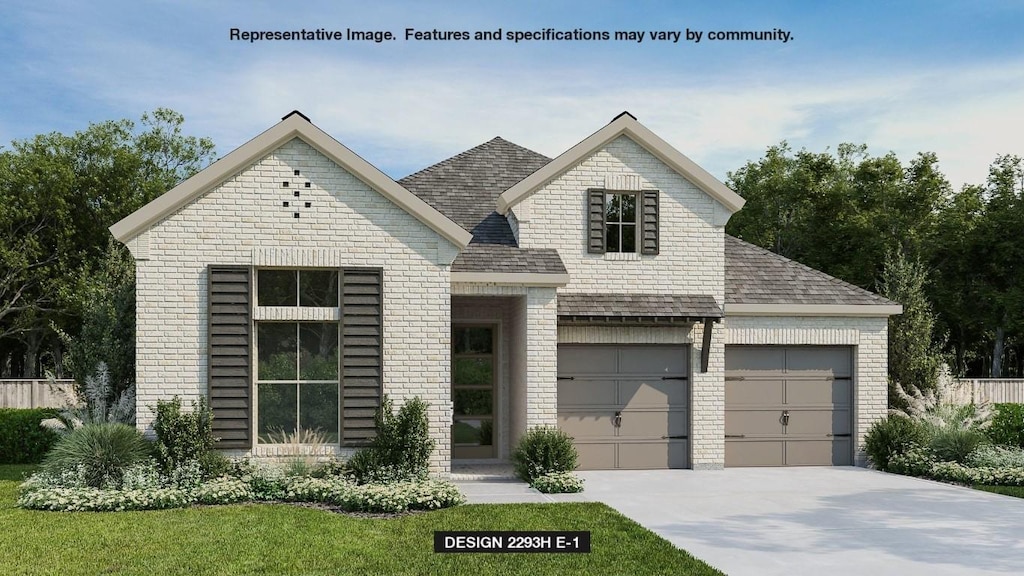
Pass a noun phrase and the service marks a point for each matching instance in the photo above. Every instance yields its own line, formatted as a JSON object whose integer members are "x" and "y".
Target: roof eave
{"x": 624, "y": 124}
{"x": 516, "y": 278}
{"x": 845, "y": 310}
{"x": 292, "y": 126}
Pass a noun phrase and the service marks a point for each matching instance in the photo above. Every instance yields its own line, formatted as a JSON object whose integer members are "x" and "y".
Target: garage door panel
{"x": 667, "y": 360}
{"x": 834, "y": 360}
{"x": 596, "y": 456}
{"x": 818, "y": 422}
{"x": 584, "y": 392}
{"x": 816, "y": 391}
{"x": 653, "y": 424}
{"x": 652, "y": 455}
{"x": 755, "y": 391}
{"x": 816, "y": 388}
{"x": 817, "y": 452}
{"x": 652, "y": 393}
{"x": 583, "y": 425}
{"x": 754, "y": 453}
{"x": 586, "y": 360}
{"x": 752, "y": 422}
{"x": 645, "y": 384}
{"x": 754, "y": 359}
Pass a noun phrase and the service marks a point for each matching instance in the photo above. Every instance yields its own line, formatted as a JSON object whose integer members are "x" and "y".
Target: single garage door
{"x": 788, "y": 405}
{"x": 626, "y": 406}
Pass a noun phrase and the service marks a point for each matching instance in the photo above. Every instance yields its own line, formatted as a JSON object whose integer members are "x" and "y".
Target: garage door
{"x": 626, "y": 406}
{"x": 788, "y": 406}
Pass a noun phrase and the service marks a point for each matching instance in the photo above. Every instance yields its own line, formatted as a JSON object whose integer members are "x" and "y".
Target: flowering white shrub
{"x": 394, "y": 497}
{"x": 988, "y": 456}
{"x": 102, "y": 500}
{"x": 558, "y": 483}
{"x": 953, "y": 472}
{"x": 224, "y": 490}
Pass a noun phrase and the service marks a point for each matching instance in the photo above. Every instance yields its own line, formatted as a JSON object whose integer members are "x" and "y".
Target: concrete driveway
{"x": 821, "y": 521}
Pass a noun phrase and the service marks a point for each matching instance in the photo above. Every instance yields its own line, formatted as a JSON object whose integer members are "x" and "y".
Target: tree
{"x": 58, "y": 196}
{"x": 914, "y": 358}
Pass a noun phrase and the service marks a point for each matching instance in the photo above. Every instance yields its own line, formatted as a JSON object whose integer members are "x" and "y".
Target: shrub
{"x": 183, "y": 437}
{"x": 301, "y": 449}
{"x": 265, "y": 480}
{"x": 1007, "y": 426}
{"x": 989, "y": 456}
{"x": 22, "y": 439}
{"x": 542, "y": 451}
{"x": 558, "y": 483}
{"x": 954, "y": 472}
{"x": 893, "y": 435}
{"x": 103, "y": 451}
{"x": 955, "y": 444}
{"x": 916, "y": 461}
{"x": 224, "y": 490}
{"x": 102, "y": 405}
{"x": 100, "y": 500}
{"x": 400, "y": 450}
{"x": 394, "y": 497}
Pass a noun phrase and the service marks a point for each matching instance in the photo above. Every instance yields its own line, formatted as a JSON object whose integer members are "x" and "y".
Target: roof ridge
{"x": 466, "y": 153}
{"x": 825, "y": 275}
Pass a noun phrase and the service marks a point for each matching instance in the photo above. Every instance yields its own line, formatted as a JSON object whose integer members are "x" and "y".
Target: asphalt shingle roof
{"x": 465, "y": 188}
{"x": 639, "y": 305}
{"x": 754, "y": 275}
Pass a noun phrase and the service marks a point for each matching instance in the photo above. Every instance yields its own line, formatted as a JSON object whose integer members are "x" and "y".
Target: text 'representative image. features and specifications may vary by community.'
{"x": 687, "y": 35}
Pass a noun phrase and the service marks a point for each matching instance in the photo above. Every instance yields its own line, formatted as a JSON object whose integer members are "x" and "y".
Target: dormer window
{"x": 620, "y": 222}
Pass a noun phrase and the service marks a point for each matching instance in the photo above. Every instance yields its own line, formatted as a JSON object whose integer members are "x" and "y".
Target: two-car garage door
{"x": 626, "y": 406}
{"x": 788, "y": 406}
{"x": 629, "y": 406}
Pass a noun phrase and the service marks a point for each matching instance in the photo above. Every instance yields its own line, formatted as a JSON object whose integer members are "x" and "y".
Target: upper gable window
{"x": 309, "y": 288}
{"x": 620, "y": 222}
{"x": 623, "y": 221}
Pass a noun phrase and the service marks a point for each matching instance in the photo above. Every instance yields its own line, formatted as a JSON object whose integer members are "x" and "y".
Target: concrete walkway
{"x": 813, "y": 521}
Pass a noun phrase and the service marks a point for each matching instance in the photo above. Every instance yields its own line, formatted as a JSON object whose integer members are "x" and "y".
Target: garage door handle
{"x": 673, "y": 378}
{"x": 566, "y": 377}
{"x": 735, "y": 435}
{"x": 731, "y": 378}
{"x": 837, "y": 435}
{"x": 785, "y": 418}
{"x": 617, "y": 419}
{"x": 680, "y": 437}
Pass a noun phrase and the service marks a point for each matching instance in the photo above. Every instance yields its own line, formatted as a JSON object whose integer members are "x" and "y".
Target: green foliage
{"x": 955, "y": 444}
{"x": 558, "y": 483}
{"x": 543, "y": 450}
{"x": 22, "y": 439}
{"x": 58, "y": 195}
{"x": 102, "y": 451}
{"x": 914, "y": 462}
{"x": 106, "y": 300}
{"x": 892, "y": 436}
{"x": 184, "y": 437}
{"x": 989, "y": 456}
{"x": 400, "y": 450}
{"x": 914, "y": 358}
{"x": 1007, "y": 426}
{"x": 392, "y": 497}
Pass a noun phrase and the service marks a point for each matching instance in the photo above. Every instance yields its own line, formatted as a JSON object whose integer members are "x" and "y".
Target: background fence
{"x": 35, "y": 393}
{"x": 994, "y": 390}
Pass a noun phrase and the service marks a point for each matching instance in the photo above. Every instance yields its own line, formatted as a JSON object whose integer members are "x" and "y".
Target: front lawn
{"x": 285, "y": 539}
{"x": 1015, "y": 491}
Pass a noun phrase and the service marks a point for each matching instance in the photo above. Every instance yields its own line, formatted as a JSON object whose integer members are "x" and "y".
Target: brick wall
{"x": 244, "y": 222}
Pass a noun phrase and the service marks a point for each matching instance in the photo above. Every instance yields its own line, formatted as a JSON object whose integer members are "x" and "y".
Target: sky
{"x": 906, "y": 77}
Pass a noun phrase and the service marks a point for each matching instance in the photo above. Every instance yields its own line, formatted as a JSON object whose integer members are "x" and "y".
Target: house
{"x": 293, "y": 283}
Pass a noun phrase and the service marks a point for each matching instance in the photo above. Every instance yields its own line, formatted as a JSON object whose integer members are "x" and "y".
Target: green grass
{"x": 283, "y": 539}
{"x": 1015, "y": 491}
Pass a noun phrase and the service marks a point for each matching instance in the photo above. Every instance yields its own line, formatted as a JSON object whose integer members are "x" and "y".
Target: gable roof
{"x": 757, "y": 280}
{"x": 465, "y": 188}
{"x": 294, "y": 125}
{"x": 624, "y": 124}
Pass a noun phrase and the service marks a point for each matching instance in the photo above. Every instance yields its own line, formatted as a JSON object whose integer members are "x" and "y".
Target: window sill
{"x": 622, "y": 256}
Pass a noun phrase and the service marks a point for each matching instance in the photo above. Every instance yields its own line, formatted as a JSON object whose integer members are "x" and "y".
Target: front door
{"x": 473, "y": 391}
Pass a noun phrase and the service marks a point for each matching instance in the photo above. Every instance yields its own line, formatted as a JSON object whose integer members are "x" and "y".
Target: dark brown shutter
{"x": 649, "y": 241}
{"x": 595, "y": 221}
{"x": 361, "y": 338}
{"x": 230, "y": 376}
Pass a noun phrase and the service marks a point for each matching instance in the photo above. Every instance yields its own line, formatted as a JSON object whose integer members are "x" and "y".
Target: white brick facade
{"x": 243, "y": 222}
{"x": 869, "y": 336}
